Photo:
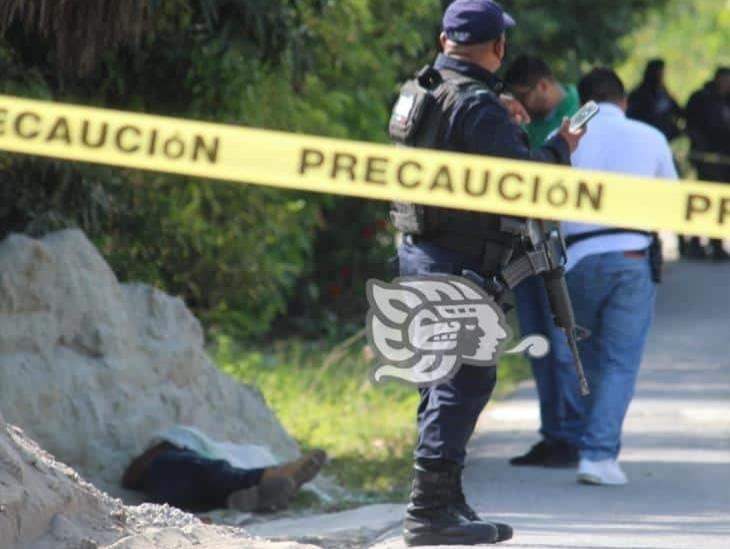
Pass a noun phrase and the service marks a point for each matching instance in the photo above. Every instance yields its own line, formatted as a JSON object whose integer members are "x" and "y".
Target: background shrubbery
{"x": 237, "y": 254}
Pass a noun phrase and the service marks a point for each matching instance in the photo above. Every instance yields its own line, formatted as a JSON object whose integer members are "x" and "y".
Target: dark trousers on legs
{"x": 447, "y": 413}
{"x": 184, "y": 479}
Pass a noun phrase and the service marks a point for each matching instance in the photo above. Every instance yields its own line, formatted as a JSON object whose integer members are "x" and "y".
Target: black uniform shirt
{"x": 481, "y": 124}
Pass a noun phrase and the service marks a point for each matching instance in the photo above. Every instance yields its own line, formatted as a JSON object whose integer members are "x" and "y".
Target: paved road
{"x": 676, "y": 442}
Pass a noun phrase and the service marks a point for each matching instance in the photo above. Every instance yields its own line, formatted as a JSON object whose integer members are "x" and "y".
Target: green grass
{"x": 324, "y": 397}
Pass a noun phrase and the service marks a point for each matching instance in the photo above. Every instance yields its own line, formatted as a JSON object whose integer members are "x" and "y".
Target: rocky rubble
{"x": 45, "y": 504}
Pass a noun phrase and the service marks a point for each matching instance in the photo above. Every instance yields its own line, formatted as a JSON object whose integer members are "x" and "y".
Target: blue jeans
{"x": 448, "y": 412}
{"x": 557, "y": 383}
{"x": 613, "y": 297}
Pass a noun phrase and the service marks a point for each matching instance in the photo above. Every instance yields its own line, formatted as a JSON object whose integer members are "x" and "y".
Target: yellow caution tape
{"x": 367, "y": 170}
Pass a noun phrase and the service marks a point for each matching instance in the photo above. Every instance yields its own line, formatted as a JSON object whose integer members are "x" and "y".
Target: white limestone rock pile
{"x": 91, "y": 368}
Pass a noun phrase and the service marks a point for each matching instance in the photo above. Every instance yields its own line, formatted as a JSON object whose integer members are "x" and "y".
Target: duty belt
{"x": 495, "y": 255}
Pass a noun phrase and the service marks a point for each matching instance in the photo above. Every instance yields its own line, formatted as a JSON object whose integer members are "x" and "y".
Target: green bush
{"x": 236, "y": 253}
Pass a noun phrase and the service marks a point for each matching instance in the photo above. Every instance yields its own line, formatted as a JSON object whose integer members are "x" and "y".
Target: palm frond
{"x": 80, "y": 30}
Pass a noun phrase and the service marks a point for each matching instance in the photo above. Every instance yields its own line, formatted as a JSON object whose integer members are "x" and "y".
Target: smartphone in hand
{"x": 581, "y": 118}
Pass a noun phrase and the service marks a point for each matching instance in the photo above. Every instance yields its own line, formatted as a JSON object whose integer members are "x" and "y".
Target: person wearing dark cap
{"x": 468, "y": 116}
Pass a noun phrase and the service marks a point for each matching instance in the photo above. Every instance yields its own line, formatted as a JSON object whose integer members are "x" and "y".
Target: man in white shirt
{"x": 609, "y": 276}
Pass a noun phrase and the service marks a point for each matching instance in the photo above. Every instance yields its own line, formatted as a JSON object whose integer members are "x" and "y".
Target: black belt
{"x": 491, "y": 252}
{"x": 579, "y": 237}
{"x": 495, "y": 257}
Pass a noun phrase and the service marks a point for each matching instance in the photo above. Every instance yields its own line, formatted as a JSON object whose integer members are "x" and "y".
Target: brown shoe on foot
{"x": 300, "y": 471}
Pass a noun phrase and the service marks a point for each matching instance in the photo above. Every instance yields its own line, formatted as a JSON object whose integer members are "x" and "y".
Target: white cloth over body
{"x": 243, "y": 456}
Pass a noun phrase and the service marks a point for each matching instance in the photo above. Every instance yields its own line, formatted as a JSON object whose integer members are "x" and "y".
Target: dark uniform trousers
{"x": 447, "y": 413}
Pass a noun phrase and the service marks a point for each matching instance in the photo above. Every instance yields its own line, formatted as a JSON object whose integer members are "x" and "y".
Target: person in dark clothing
{"x": 652, "y": 103}
{"x": 183, "y": 478}
{"x": 470, "y": 117}
{"x": 708, "y": 126}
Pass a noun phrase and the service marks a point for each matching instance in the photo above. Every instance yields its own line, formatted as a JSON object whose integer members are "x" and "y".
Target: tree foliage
{"x": 692, "y": 37}
{"x": 236, "y": 253}
{"x": 574, "y": 34}
{"x": 79, "y": 31}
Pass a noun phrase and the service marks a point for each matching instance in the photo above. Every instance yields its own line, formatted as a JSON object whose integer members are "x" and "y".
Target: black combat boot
{"x": 504, "y": 531}
{"x": 434, "y": 518}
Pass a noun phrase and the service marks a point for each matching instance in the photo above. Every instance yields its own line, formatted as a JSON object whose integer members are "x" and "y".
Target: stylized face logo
{"x": 422, "y": 329}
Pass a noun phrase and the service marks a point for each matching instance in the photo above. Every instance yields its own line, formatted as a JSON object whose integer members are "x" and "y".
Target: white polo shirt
{"x": 615, "y": 143}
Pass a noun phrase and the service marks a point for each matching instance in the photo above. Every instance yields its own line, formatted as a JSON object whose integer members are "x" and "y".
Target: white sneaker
{"x": 605, "y": 472}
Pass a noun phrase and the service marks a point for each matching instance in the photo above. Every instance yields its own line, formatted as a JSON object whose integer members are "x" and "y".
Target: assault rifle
{"x": 551, "y": 242}
{"x": 545, "y": 254}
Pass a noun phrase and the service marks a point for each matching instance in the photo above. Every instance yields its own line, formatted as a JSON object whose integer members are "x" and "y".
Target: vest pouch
{"x": 408, "y": 218}
{"x": 414, "y": 105}
{"x": 419, "y": 119}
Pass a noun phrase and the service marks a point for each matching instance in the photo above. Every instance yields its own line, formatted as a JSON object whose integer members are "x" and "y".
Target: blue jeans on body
{"x": 557, "y": 383}
{"x": 613, "y": 296}
{"x": 448, "y": 412}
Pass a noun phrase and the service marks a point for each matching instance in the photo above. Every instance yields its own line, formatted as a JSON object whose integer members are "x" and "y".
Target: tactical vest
{"x": 420, "y": 119}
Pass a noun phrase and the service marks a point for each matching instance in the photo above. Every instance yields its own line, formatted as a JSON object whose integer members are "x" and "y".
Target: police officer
{"x": 469, "y": 116}
{"x": 708, "y": 126}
